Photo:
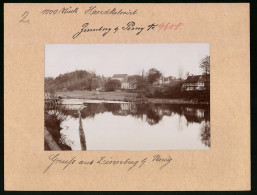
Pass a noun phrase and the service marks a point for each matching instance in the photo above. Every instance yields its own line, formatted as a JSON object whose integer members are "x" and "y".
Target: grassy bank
{"x": 91, "y": 95}
{"x": 116, "y": 96}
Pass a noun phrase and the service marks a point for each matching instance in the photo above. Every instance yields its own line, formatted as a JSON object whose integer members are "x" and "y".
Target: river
{"x": 136, "y": 127}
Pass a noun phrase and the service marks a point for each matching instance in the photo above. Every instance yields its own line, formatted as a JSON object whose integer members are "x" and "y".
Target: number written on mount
{"x": 24, "y": 16}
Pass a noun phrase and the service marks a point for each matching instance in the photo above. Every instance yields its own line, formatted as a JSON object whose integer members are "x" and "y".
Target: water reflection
{"x": 154, "y": 112}
{"x": 54, "y": 117}
{"x": 130, "y": 126}
{"x": 205, "y": 133}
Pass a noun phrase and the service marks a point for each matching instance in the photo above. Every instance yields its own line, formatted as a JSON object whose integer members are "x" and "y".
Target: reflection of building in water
{"x": 166, "y": 112}
{"x": 125, "y": 106}
{"x": 162, "y": 111}
{"x": 200, "y": 113}
{"x": 158, "y": 111}
{"x": 129, "y": 106}
{"x": 193, "y": 114}
{"x": 153, "y": 113}
{"x": 123, "y": 111}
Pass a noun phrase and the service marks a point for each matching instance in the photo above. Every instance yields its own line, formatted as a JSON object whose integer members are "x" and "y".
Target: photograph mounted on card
{"x": 127, "y": 96}
{"x": 156, "y": 93}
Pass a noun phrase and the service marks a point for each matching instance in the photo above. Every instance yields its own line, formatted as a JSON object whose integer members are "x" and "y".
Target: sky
{"x": 131, "y": 59}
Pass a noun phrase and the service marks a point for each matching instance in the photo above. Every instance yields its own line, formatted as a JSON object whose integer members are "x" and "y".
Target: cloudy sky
{"x": 109, "y": 59}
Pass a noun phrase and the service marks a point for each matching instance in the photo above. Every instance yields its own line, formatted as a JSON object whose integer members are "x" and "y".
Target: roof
{"x": 134, "y": 77}
{"x": 119, "y": 76}
{"x": 195, "y": 78}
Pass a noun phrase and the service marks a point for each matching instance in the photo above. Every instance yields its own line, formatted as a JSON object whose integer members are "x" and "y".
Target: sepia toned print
{"x": 127, "y": 97}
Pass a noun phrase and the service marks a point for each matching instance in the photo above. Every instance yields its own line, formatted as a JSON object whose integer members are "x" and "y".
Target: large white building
{"x": 123, "y": 78}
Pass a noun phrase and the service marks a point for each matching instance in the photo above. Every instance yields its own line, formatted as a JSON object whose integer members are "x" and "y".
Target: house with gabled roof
{"x": 123, "y": 78}
{"x": 196, "y": 83}
{"x": 120, "y": 77}
{"x": 126, "y": 82}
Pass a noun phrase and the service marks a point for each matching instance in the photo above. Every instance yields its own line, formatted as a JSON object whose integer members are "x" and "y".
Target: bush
{"x": 175, "y": 91}
{"x": 113, "y": 85}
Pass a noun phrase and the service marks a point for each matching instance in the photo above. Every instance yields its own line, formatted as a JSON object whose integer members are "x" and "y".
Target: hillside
{"x": 77, "y": 80}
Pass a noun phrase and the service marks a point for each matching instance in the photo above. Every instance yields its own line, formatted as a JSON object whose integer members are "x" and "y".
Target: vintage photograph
{"x": 131, "y": 97}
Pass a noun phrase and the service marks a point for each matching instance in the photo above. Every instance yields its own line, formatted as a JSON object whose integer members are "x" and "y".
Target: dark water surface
{"x": 130, "y": 126}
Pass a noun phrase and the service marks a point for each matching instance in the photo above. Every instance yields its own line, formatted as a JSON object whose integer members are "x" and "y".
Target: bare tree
{"x": 180, "y": 72}
{"x": 205, "y": 65}
{"x": 143, "y": 73}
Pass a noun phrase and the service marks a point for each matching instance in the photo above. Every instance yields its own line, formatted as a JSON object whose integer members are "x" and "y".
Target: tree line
{"x": 77, "y": 80}
{"x": 88, "y": 80}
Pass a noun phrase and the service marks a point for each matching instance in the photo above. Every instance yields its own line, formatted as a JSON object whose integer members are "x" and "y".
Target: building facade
{"x": 165, "y": 80}
{"x": 196, "y": 83}
{"x": 125, "y": 82}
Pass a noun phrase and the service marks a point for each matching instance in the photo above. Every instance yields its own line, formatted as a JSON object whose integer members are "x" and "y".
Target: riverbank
{"x": 92, "y": 95}
{"x": 118, "y": 96}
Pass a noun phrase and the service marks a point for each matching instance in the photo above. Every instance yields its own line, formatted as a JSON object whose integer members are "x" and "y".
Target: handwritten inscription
{"x": 158, "y": 158}
{"x": 57, "y": 160}
{"x": 93, "y": 11}
{"x": 24, "y": 17}
{"x": 86, "y": 27}
{"x": 131, "y": 163}
{"x": 130, "y": 26}
{"x": 64, "y": 10}
{"x": 169, "y": 26}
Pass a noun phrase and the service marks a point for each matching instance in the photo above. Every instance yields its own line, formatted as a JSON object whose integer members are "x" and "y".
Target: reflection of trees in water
{"x": 205, "y": 134}
{"x": 53, "y": 120}
{"x": 196, "y": 114}
{"x": 153, "y": 116}
{"x": 153, "y": 112}
{"x": 91, "y": 109}
{"x": 112, "y": 107}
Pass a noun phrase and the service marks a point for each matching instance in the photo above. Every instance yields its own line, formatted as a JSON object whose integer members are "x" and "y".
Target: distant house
{"x": 126, "y": 82}
{"x": 165, "y": 80}
{"x": 123, "y": 78}
{"x": 120, "y": 77}
{"x": 159, "y": 81}
{"x": 168, "y": 80}
{"x": 134, "y": 80}
{"x": 196, "y": 82}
